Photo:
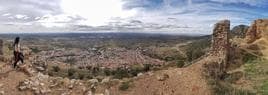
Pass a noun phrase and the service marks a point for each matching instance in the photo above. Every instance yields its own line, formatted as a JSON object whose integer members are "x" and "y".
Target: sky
{"x": 165, "y": 16}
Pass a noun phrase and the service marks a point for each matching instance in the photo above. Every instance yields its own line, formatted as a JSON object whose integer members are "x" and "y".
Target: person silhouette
{"x": 18, "y": 56}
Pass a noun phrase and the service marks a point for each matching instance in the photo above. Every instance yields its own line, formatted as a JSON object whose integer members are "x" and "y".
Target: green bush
{"x": 264, "y": 88}
{"x": 50, "y": 73}
{"x": 71, "y": 72}
{"x": 120, "y": 73}
{"x": 147, "y": 67}
{"x": 56, "y": 68}
{"x": 89, "y": 76}
{"x": 223, "y": 88}
{"x": 124, "y": 86}
{"x": 247, "y": 58}
{"x": 89, "y": 67}
{"x": 35, "y": 50}
{"x": 196, "y": 49}
{"x": 70, "y": 61}
{"x": 107, "y": 72}
{"x": 180, "y": 63}
{"x": 81, "y": 76}
{"x": 134, "y": 72}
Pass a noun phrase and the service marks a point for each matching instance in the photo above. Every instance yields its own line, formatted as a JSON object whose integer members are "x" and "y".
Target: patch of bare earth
{"x": 10, "y": 80}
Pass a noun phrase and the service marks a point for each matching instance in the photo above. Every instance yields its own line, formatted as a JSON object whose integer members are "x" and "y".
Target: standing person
{"x": 18, "y": 56}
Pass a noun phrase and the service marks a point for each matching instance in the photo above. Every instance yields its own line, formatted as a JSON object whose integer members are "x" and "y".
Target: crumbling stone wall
{"x": 257, "y": 38}
{"x": 217, "y": 65}
{"x": 257, "y": 30}
{"x": 220, "y": 40}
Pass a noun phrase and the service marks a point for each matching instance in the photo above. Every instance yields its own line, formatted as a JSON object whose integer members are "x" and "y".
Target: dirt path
{"x": 9, "y": 81}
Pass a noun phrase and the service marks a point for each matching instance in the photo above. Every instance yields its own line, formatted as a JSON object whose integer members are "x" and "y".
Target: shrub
{"x": 70, "y": 61}
{"x": 180, "y": 63}
{"x": 95, "y": 71}
{"x": 134, "y": 71}
{"x": 223, "y": 88}
{"x": 35, "y": 50}
{"x": 56, "y": 68}
{"x": 71, "y": 72}
{"x": 50, "y": 73}
{"x": 264, "y": 88}
{"x": 246, "y": 57}
{"x": 81, "y": 76}
{"x": 233, "y": 77}
{"x": 89, "y": 67}
{"x": 196, "y": 49}
{"x": 124, "y": 86}
{"x": 120, "y": 73}
{"x": 88, "y": 76}
{"x": 147, "y": 67}
{"x": 107, "y": 72}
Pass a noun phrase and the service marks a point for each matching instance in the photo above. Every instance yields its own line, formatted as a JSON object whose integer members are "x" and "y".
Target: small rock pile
{"x": 40, "y": 65}
{"x": 41, "y": 84}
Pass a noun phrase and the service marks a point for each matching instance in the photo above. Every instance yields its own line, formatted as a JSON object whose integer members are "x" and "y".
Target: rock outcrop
{"x": 239, "y": 31}
{"x": 257, "y": 30}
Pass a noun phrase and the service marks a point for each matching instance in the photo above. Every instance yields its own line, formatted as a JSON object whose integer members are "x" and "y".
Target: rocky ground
{"x": 173, "y": 81}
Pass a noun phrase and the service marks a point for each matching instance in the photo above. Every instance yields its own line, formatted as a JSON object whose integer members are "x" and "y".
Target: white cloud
{"x": 249, "y": 2}
{"x": 20, "y": 16}
{"x": 125, "y": 15}
{"x": 6, "y": 14}
{"x": 57, "y": 20}
{"x": 97, "y": 12}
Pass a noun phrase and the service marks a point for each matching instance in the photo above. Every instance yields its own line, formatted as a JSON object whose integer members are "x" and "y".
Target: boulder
{"x": 93, "y": 81}
{"x": 1, "y": 85}
{"x": 140, "y": 74}
{"x": 2, "y": 92}
{"x": 106, "y": 92}
{"x": 40, "y": 65}
{"x": 106, "y": 80}
{"x": 162, "y": 77}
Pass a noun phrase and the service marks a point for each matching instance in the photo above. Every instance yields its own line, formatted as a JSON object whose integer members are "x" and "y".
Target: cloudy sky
{"x": 167, "y": 16}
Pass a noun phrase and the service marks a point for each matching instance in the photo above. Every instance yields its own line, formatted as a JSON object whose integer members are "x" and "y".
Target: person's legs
{"x": 21, "y": 58}
{"x": 16, "y": 59}
{"x": 15, "y": 63}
